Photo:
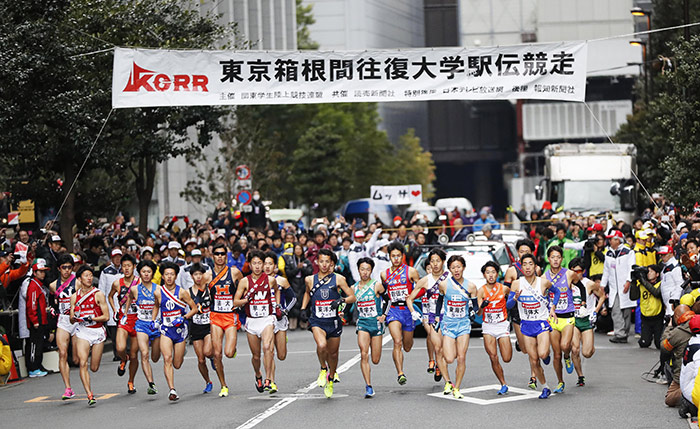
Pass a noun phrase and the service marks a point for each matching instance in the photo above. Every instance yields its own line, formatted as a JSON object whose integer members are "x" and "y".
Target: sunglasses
{"x": 219, "y": 253}
{"x": 578, "y": 271}
{"x": 66, "y": 267}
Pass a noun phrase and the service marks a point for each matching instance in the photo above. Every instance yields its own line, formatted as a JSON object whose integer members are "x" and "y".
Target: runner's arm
{"x": 129, "y": 296}
{"x": 72, "y": 308}
{"x": 480, "y": 299}
{"x": 419, "y": 289}
{"x": 52, "y": 287}
{"x": 307, "y": 295}
{"x": 187, "y": 298}
{"x": 549, "y": 287}
{"x": 278, "y": 296}
{"x": 509, "y": 277}
{"x": 110, "y": 298}
{"x": 156, "y": 304}
{"x": 413, "y": 275}
{"x": 239, "y": 300}
{"x": 236, "y": 274}
{"x": 102, "y": 302}
{"x": 513, "y": 295}
{"x": 349, "y": 293}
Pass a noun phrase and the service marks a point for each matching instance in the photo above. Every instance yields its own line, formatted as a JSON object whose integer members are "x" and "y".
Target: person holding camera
{"x": 671, "y": 280}
{"x": 646, "y": 287}
{"x": 616, "y": 276}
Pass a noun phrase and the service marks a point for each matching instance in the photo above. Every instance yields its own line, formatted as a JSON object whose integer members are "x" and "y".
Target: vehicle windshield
{"x": 583, "y": 196}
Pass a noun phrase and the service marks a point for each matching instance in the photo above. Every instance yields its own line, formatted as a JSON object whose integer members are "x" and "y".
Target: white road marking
{"x": 286, "y": 401}
{"x": 523, "y": 395}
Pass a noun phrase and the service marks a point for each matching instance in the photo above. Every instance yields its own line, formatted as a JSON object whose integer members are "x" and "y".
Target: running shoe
{"x": 173, "y": 395}
{"x": 68, "y": 394}
{"x": 369, "y": 392}
{"x": 91, "y": 400}
{"x": 504, "y": 390}
{"x": 321, "y": 380}
{"x": 438, "y": 375}
{"x": 569, "y": 365}
{"x": 402, "y": 379}
{"x": 517, "y": 346}
{"x": 533, "y": 383}
{"x": 224, "y": 392}
{"x": 328, "y": 389}
{"x": 152, "y": 389}
{"x": 448, "y": 388}
{"x": 581, "y": 381}
{"x": 37, "y": 373}
{"x": 336, "y": 378}
{"x": 431, "y": 366}
{"x": 266, "y": 386}
{"x": 130, "y": 388}
{"x": 121, "y": 369}
{"x": 560, "y": 387}
{"x": 259, "y": 385}
{"x": 457, "y": 394}
{"x": 208, "y": 387}
{"x": 545, "y": 393}
{"x": 273, "y": 388}
{"x": 546, "y": 360}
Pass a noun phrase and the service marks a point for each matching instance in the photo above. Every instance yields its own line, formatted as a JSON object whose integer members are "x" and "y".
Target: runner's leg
{"x": 588, "y": 348}
{"x": 201, "y": 360}
{"x": 166, "y": 349}
{"x": 376, "y": 346}
{"x": 363, "y": 341}
{"x": 268, "y": 346}
{"x": 281, "y": 344}
{"x": 179, "y": 354}
{"x": 217, "y": 339}
{"x": 462, "y": 346}
{"x": 436, "y": 339}
{"x": 83, "y": 348}
{"x": 555, "y": 339}
{"x": 120, "y": 343}
{"x": 397, "y": 353}
{"x": 133, "y": 358}
{"x": 254, "y": 344}
{"x": 333, "y": 344}
{"x": 63, "y": 342}
{"x": 506, "y": 348}
{"x": 575, "y": 349}
{"x": 155, "y": 349}
{"x": 492, "y": 351}
{"x": 96, "y": 356}
{"x": 231, "y": 335}
{"x": 144, "y": 349}
{"x": 321, "y": 345}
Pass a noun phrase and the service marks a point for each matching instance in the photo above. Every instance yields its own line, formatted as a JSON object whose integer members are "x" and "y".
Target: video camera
{"x": 639, "y": 272}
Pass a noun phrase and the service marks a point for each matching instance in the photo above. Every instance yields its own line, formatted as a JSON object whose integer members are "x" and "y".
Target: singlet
{"x": 324, "y": 293}
{"x": 518, "y": 269}
{"x": 203, "y": 299}
{"x": 88, "y": 307}
{"x": 222, "y": 293}
{"x": 456, "y": 303}
{"x": 495, "y": 312}
{"x": 368, "y": 303}
{"x": 262, "y": 299}
{"x": 399, "y": 285}
{"x": 578, "y": 291}
{"x": 429, "y": 299}
{"x": 531, "y": 304}
{"x": 145, "y": 302}
{"x": 170, "y": 305}
{"x": 123, "y": 291}
{"x": 63, "y": 298}
{"x": 559, "y": 281}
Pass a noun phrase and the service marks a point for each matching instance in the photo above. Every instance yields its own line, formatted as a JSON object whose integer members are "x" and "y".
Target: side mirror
{"x": 539, "y": 192}
{"x": 628, "y": 196}
{"x": 615, "y": 189}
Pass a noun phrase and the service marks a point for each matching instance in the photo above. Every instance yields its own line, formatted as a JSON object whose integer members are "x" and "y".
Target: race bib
{"x": 223, "y": 304}
{"x": 530, "y": 311}
{"x": 170, "y": 316}
{"x": 493, "y": 317}
{"x": 201, "y": 319}
{"x": 259, "y": 310}
{"x": 580, "y": 311}
{"x": 563, "y": 303}
{"x": 64, "y": 305}
{"x": 145, "y": 312}
{"x": 456, "y": 309}
{"x": 367, "y": 309}
{"x": 324, "y": 310}
{"x": 398, "y": 295}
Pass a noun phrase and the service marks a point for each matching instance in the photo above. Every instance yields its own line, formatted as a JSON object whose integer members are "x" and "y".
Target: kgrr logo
{"x": 150, "y": 81}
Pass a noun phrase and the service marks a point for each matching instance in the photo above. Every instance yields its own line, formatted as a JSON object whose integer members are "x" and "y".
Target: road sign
{"x": 243, "y": 184}
{"x": 244, "y": 197}
{"x": 242, "y": 172}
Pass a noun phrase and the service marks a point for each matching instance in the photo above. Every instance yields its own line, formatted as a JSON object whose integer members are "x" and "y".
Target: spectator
{"x": 671, "y": 279}
{"x": 357, "y": 250}
{"x": 297, "y": 267}
{"x": 50, "y": 253}
{"x": 318, "y": 244}
{"x": 616, "y": 276}
{"x": 689, "y": 380}
{"x": 485, "y": 218}
{"x": 487, "y": 230}
{"x": 37, "y": 318}
{"x": 461, "y": 231}
{"x": 673, "y": 342}
{"x": 5, "y": 360}
{"x": 257, "y": 218}
{"x": 9, "y": 274}
{"x": 646, "y": 288}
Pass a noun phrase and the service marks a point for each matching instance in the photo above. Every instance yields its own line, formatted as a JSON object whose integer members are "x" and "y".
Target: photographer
{"x": 674, "y": 340}
{"x": 646, "y": 287}
{"x": 9, "y": 271}
{"x": 671, "y": 280}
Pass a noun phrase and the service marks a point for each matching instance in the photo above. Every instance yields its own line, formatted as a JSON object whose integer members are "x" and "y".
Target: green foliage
{"x": 305, "y": 18}
{"x": 413, "y": 164}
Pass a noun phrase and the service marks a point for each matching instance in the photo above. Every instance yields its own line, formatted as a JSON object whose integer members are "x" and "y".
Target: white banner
{"x": 402, "y": 194}
{"x": 144, "y": 77}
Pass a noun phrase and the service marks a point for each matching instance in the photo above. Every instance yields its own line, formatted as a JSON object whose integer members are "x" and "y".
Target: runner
{"x": 200, "y": 332}
{"x": 529, "y": 291}
{"x": 171, "y": 301}
{"x": 429, "y": 287}
{"x": 585, "y": 293}
{"x": 223, "y": 317}
{"x": 495, "y": 328}
{"x": 424, "y": 318}
{"x": 399, "y": 280}
{"x": 320, "y": 308}
{"x": 126, "y": 320}
{"x": 147, "y": 334}
{"x": 514, "y": 272}
{"x": 64, "y": 288}
{"x": 288, "y": 300}
{"x": 562, "y": 332}
{"x": 256, "y": 294}
{"x": 370, "y": 326}
{"x": 88, "y": 308}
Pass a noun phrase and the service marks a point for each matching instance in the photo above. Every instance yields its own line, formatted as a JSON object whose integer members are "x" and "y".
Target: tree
{"x": 413, "y": 165}
{"x": 305, "y": 18}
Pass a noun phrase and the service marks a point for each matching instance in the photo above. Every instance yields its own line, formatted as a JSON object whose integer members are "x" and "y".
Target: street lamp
{"x": 639, "y": 12}
{"x": 643, "y": 44}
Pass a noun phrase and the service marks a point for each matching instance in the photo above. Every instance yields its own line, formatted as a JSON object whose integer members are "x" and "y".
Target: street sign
{"x": 242, "y": 185}
{"x": 244, "y": 197}
{"x": 242, "y": 172}
{"x": 13, "y": 218}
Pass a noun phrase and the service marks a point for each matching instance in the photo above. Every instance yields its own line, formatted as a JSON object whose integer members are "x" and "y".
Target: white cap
{"x": 145, "y": 249}
{"x": 116, "y": 252}
{"x": 174, "y": 245}
{"x": 190, "y": 241}
{"x": 382, "y": 242}
{"x": 55, "y": 239}
{"x": 196, "y": 252}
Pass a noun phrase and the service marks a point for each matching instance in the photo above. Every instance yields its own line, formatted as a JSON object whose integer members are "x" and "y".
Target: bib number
{"x": 398, "y": 295}
{"x": 259, "y": 310}
{"x": 456, "y": 309}
{"x": 563, "y": 303}
{"x": 495, "y": 317}
{"x": 145, "y": 312}
{"x": 324, "y": 310}
{"x": 169, "y": 318}
{"x": 201, "y": 319}
{"x": 223, "y": 304}
{"x": 367, "y": 309}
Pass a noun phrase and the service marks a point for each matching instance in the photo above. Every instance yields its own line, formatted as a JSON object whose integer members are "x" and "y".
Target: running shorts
{"x": 199, "y": 332}
{"x": 456, "y": 329}
{"x": 561, "y": 323}
{"x": 403, "y": 315}
{"x": 332, "y": 327}
{"x": 225, "y": 320}
{"x": 130, "y": 320}
{"x": 145, "y": 328}
{"x": 64, "y": 323}
{"x": 514, "y": 314}
{"x": 496, "y": 330}
{"x": 533, "y": 328}
{"x": 371, "y": 325}
{"x": 256, "y": 325}
{"x": 282, "y": 324}
{"x": 91, "y": 335}
{"x": 583, "y": 324}
{"x": 177, "y": 334}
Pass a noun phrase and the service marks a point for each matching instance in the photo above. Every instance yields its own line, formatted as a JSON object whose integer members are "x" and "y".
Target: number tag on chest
{"x": 324, "y": 310}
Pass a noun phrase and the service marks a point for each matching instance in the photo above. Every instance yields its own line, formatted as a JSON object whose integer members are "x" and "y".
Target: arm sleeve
{"x": 438, "y": 305}
{"x": 353, "y": 257}
{"x": 555, "y": 291}
{"x": 31, "y": 305}
{"x": 606, "y": 274}
{"x": 575, "y": 246}
{"x": 290, "y": 298}
{"x": 654, "y": 291}
{"x": 373, "y": 241}
{"x": 510, "y": 303}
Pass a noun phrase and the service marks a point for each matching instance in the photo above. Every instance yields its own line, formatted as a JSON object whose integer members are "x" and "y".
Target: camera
{"x": 589, "y": 245}
{"x": 639, "y": 272}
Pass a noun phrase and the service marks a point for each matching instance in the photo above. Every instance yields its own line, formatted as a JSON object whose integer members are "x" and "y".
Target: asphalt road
{"x": 615, "y": 395}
